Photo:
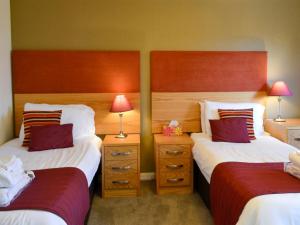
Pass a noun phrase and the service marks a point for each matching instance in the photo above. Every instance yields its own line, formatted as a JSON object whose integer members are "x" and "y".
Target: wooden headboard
{"x": 180, "y": 79}
{"x": 92, "y": 78}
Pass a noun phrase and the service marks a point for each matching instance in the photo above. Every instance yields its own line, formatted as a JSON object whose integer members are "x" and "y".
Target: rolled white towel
{"x": 7, "y": 195}
{"x": 11, "y": 163}
{"x": 9, "y": 179}
{"x": 292, "y": 169}
{"x": 294, "y": 157}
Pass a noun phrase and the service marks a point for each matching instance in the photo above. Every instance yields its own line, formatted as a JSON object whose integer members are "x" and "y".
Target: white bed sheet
{"x": 85, "y": 155}
{"x": 273, "y": 209}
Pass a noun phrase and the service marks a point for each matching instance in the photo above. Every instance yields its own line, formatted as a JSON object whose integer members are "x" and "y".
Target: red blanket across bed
{"x": 233, "y": 184}
{"x": 62, "y": 191}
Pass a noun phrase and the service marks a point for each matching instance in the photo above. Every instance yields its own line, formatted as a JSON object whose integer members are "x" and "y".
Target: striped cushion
{"x": 241, "y": 113}
{"x": 39, "y": 118}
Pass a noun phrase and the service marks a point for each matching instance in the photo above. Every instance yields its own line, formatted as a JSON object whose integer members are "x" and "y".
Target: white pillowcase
{"x": 211, "y": 112}
{"x": 81, "y": 116}
{"x": 202, "y": 117}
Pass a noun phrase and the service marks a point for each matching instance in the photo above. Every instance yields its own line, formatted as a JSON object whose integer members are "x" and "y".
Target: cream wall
{"x": 6, "y": 122}
{"x": 145, "y": 25}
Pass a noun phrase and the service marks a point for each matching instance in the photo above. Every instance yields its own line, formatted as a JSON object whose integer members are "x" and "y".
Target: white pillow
{"x": 211, "y": 112}
{"x": 81, "y": 116}
{"x": 202, "y": 116}
{"x": 21, "y": 133}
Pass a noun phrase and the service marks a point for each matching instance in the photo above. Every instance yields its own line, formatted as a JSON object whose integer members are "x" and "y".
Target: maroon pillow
{"x": 230, "y": 130}
{"x": 51, "y": 137}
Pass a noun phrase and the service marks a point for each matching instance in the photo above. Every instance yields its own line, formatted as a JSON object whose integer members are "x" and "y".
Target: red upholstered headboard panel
{"x": 208, "y": 71}
{"x": 76, "y": 71}
{"x": 180, "y": 79}
{"x": 92, "y": 78}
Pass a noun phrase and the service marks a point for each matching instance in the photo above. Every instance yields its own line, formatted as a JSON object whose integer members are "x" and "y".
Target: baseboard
{"x": 147, "y": 176}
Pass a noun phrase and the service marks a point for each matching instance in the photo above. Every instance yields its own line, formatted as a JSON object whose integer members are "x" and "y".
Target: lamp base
{"x": 279, "y": 119}
{"x": 121, "y": 135}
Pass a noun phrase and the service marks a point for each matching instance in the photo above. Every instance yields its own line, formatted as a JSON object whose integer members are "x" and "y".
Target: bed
{"x": 265, "y": 151}
{"x": 182, "y": 79}
{"x": 265, "y": 209}
{"x": 85, "y": 155}
{"x": 41, "y": 77}
{"x": 271, "y": 207}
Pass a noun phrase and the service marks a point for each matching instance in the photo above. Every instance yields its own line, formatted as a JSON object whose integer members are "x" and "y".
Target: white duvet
{"x": 273, "y": 209}
{"x": 85, "y": 155}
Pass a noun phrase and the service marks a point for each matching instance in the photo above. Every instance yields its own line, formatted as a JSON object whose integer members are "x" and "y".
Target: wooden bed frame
{"x": 185, "y": 107}
{"x": 180, "y": 79}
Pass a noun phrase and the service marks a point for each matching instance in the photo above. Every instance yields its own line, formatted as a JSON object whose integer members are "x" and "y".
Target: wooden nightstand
{"x": 173, "y": 164}
{"x": 121, "y": 166}
{"x": 288, "y": 131}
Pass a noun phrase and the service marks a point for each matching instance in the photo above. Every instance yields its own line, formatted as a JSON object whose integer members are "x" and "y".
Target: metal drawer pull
{"x": 297, "y": 139}
{"x": 120, "y": 181}
{"x": 174, "y": 152}
{"x": 175, "y": 180}
{"x": 174, "y": 166}
{"x": 121, "y": 167}
{"x": 120, "y": 153}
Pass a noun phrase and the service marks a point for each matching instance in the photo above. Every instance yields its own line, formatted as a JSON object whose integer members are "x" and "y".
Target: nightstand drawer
{"x": 121, "y": 182}
{"x": 174, "y": 151}
{"x": 115, "y": 167}
{"x": 174, "y": 179}
{"x": 174, "y": 165}
{"x": 294, "y": 138}
{"x": 120, "y": 152}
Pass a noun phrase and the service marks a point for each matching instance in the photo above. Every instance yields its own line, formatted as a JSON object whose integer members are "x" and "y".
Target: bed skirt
{"x": 94, "y": 188}
{"x": 201, "y": 185}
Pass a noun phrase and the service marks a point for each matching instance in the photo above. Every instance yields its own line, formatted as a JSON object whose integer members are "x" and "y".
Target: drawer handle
{"x": 121, "y": 167}
{"x": 174, "y": 166}
{"x": 120, "y": 153}
{"x": 174, "y": 152}
{"x": 297, "y": 139}
{"x": 175, "y": 180}
{"x": 120, "y": 182}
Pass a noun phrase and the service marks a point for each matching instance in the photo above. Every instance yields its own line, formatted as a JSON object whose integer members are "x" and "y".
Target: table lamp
{"x": 120, "y": 105}
{"x": 279, "y": 88}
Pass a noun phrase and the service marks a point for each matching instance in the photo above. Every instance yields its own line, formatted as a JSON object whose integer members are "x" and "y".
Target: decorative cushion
{"x": 51, "y": 137}
{"x": 229, "y": 130}
{"x": 240, "y": 113}
{"x": 38, "y": 118}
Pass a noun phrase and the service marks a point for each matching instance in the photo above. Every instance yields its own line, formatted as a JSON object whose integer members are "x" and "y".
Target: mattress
{"x": 275, "y": 209}
{"x": 85, "y": 155}
{"x": 208, "y": 154}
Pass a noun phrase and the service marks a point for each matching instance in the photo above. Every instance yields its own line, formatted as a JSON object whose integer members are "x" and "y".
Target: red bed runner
{"x": 62, "y": 191}
{"x": 233, "y": 184}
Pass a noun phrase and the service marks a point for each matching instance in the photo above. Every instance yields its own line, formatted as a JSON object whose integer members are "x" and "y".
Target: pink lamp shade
{"x": 279, "y": 88}
{"x": 121, "y": 104}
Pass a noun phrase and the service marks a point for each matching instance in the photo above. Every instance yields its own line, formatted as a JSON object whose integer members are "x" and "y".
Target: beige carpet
{"x": 150, "y": 209}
